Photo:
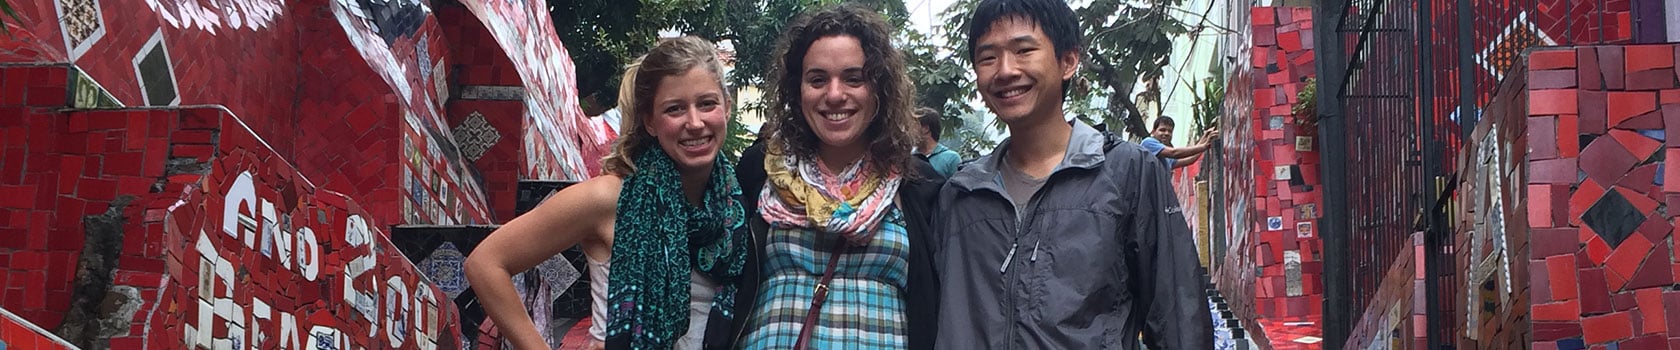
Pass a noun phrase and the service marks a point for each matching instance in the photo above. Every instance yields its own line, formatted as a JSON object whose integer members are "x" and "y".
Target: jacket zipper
{"x": 1022, "y": 224}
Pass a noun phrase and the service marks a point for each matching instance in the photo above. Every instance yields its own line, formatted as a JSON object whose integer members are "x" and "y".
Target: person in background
{"x": 1059, "y": 239}
{"x": 844, "y": 204}
{"x": 944, "y": 160}
{"x": 1159, "y": 144}
{"x": 669, "y": 203}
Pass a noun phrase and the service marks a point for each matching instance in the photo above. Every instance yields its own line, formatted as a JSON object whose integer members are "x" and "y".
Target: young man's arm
{"x": 1170, "y": 287}
{"x": 1187, "y": 161}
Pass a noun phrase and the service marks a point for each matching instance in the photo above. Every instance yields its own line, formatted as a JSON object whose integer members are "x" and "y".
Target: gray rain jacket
{"x": 1104, "y": 254}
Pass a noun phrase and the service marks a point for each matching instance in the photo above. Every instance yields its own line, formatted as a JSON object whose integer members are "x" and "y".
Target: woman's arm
{"x": 578, "y": 213}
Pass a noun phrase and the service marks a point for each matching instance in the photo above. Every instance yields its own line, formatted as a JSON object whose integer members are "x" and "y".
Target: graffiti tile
{"x": 1649, "y": 57}
{"x": 1624, "y": 105}
{"x": 1593, "y": 112}
{"x": 1551, "y": 59}
{"x": 1605, "y": 160}
{"x": 1551, "y": 79}
{"x": 1651, "y": 79}
{"x": 1552, "y": 102}
{"x": 1608, "y": 327}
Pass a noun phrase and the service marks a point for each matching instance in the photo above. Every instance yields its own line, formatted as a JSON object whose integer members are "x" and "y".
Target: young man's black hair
{"x": 929, "y": 120}
{"x": 1163, "y": 120}
{"x": 1053, "y": 16}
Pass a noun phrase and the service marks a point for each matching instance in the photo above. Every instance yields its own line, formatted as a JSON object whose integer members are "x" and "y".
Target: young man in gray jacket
{"x": 1061, "y": 238}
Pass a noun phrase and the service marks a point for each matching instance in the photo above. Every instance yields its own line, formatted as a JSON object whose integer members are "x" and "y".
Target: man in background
{"x": 1159, "y": 144}
{"x": 944, "y": 160}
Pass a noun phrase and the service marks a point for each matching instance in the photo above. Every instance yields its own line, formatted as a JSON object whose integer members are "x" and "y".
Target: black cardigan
{"x": 916, "y": 194}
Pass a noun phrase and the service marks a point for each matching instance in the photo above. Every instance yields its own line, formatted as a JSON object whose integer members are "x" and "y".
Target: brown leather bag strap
{"x": 820, "y": 295}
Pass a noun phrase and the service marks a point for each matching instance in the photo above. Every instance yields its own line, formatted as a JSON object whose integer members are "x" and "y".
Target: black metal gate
{"x": 1408, "y": 79}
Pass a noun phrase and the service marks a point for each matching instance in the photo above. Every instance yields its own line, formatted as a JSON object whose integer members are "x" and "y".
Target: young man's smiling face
{"x": 1018, "y": 72}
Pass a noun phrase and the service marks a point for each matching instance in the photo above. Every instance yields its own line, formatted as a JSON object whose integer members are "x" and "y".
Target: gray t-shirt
{"x": 1020, "y": 186}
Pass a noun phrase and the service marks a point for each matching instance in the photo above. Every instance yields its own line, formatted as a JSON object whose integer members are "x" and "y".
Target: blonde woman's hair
{"x": 671, "y": 57}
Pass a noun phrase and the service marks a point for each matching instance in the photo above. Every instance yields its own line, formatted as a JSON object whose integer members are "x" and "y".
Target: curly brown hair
{"x": 892, "y": 135}
{"x": 671, "y": 57}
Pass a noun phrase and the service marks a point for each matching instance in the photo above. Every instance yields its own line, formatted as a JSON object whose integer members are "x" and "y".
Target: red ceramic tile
{"x": 1568, "y": 135}
{"x": 1551, "y": 79}
{"x": 1593, "y": 112}
{"x": 1560, "y": 270}
{"x": 1639, "y": 201}
{"x": 1595, "y": 297}
{"x": 1552, "y": 102}
{"x": 1671, "y": 172}
{"x": 1588, "y": 193}
{"x": 1262, "y": 15}
{"x": 1669, "y": 96}
{"x": 1606, "y": 328}
{"x": 1624, "y": 105}
{"x": 1553, "y": 241}
{"x": 1551, "y": 59}
{"x": 1568, "y": 310}
{"x": 1656, "y": 228}
{"x": 1652, "y": 120}
{"x": 1651, "y": 80}
{"x": 1605, "y": 160}
{"x": 1624, "y": 301}
{"x": 1541, "y": 131}
{"x": 1538, "y": 275}
{"x": 1553, "y": 331}
{"x": 1540, "y": 205}
{"x": 1555, "y": 171}
{"x": 1648, "y": 57}
{"x": 1642, "y": 147}
{"x": 1654, "y": 271}
{"x": 1641, "y": 179}
{"x": 1613, "y": 73}
{"x": 1648, "y": 341}
{"x": 1624, "y": 259}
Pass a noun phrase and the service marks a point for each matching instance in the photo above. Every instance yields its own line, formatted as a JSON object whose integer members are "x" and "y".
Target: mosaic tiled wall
{"x": 18, "y": 333}
{"x": 1494, "y": 274}
{"x": 379, "y": 108}
{"x": 1272, "y": 260}
{"x": 1598, "y": 205}
{"x": 218, "y": 241}
{"x": 1265, "y": 143}
{"x": 1395, "y": 320}
{"x": 375, "y": 83}
{"x": 1235, "y": 273}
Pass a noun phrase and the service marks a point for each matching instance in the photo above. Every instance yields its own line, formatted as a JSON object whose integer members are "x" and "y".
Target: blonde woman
{"x": 668, "y": 206}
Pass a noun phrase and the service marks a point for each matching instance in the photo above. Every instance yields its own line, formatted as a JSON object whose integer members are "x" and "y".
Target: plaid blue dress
{"x": 865, "y": 307}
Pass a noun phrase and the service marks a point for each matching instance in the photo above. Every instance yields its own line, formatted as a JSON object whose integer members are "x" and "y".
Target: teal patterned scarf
{"x": 658, "y": 237}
